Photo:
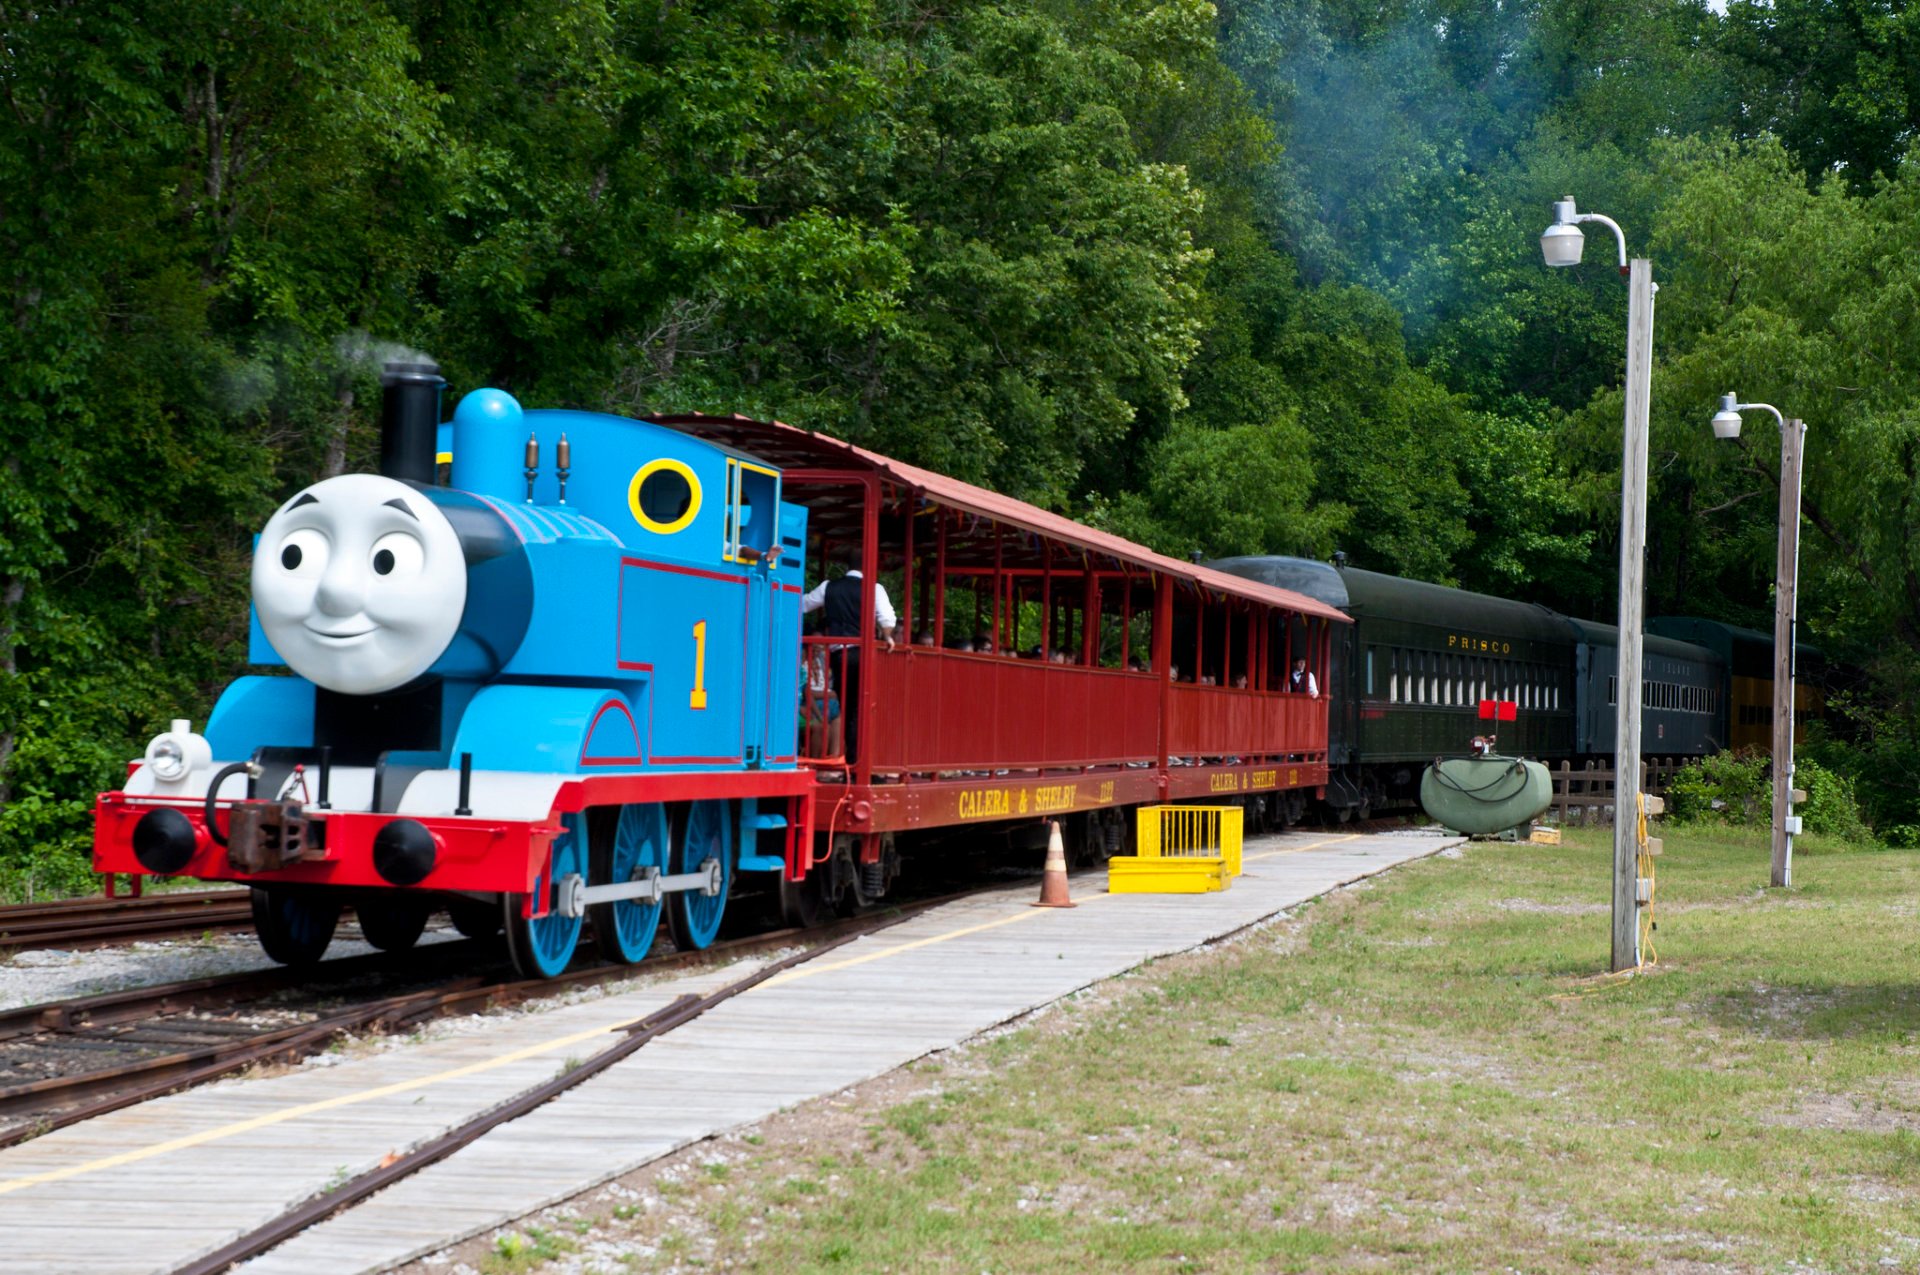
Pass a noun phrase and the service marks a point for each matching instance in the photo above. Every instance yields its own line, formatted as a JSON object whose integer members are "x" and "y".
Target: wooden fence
{"x": 1586, "y": 795}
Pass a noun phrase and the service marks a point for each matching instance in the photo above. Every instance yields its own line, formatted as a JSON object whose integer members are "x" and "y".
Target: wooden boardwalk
{"x": 145, "y": 1189}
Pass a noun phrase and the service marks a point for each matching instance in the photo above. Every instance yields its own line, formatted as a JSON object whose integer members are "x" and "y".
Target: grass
{"x": 1425, "y": 1075}
{"x": 523, "y": 1251}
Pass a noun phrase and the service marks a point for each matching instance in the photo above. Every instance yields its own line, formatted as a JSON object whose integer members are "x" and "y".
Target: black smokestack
{"x": 409, "y": 420}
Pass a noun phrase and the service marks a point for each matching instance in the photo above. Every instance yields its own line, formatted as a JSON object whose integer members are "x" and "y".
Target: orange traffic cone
{"x": 1053, "y": 880}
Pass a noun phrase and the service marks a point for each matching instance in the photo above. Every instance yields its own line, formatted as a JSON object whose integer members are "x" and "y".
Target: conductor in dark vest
{"x": 1301, "y": 682}
{"x": 840, "y": 599}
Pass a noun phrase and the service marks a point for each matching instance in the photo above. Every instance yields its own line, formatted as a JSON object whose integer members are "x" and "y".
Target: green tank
{"x": 1481, "y": 796}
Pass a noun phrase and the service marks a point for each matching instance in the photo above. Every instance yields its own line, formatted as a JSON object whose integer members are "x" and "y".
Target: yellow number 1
{"x": 699, "y": 696}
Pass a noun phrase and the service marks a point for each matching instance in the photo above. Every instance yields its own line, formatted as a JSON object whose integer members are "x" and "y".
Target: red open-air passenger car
{"x": 1112, "y": 675}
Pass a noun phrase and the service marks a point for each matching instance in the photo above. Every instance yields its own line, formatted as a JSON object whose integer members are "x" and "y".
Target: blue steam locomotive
{"x": 547, "y": 691}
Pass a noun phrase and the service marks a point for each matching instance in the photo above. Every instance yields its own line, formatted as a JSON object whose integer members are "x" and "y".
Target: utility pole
{"x": 1561, "y": 245}
{"x": 1785, "y": 604}
{"x": 1633, "y": 559}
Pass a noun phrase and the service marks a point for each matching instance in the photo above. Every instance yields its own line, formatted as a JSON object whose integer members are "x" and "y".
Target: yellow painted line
{"x": 285, "y": 1114}
{"x": 1311, "y": 845}
{"x": 818, "y": 967}
{"x": 305, "y": 1109}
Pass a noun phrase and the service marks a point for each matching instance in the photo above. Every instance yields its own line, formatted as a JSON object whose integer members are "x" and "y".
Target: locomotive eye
{"x": 398, "y": 554}
{"x": 304, "y": 553}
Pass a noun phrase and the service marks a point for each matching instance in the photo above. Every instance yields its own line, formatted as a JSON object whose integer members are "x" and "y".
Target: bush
{"x": 1729, "y": 788}
{"x": 1831, "y": 807}
{"x": 1737, "y": 789}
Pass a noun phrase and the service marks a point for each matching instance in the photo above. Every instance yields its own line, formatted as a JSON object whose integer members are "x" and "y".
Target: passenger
{"x": 820, "y": 709}
{"x": 1301, "y": 682}
{"x": 923, "y": 638}
{"x": 1206, "y": 679}
{"x": 983, "y": 644}
{"x": 1240, "y": 682}
{"x": 840, "y": 598}
{"x": 1135, "y": 664}
{"x": 1057, "y": 657}
{"x": 961, "y": 644}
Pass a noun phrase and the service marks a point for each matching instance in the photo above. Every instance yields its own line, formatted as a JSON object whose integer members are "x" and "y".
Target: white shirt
{"x": 882, "y": 605}
{"x": 1312, "y": 687}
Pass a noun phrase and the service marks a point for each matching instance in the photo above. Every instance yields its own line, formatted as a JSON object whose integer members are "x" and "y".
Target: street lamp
{"x": 1786, "y": 597}
{"x": 1562, "y": 242}
{"x": 1561, "y": 245}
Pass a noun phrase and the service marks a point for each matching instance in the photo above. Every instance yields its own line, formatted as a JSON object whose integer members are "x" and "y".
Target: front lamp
{"x": 173, "y": 756}
{"x": 167, "y": 758}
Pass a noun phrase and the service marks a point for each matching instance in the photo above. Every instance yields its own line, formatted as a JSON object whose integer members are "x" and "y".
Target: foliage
{"x": 1252, "y": 278}
{"x": 1736, "y": 789}
{"x": 1728, "y": 788}
{"x": 1831, "y": 809}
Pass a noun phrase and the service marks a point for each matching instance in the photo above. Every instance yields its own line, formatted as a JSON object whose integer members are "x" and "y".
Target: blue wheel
{"x": 541, "y": 947}
{"x": 708, "y": 838}
{"x": 627, "y": 841}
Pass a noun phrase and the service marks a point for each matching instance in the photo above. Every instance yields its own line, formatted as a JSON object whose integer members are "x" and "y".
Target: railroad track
{"x": 95, "y": 922}
{"x": 635, "y": 1036}
{"x": 69, "y": 1061}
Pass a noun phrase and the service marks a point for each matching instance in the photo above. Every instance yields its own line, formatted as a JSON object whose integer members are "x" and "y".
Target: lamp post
{"x": 1786, "y": 597}
{"x": 1561, "y": 245}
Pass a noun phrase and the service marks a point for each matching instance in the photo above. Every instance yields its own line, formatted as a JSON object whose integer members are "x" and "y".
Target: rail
{"x": 636, "y": 1036}
{"x": 94, "y": 922}
{"x": 106, "y": 1029}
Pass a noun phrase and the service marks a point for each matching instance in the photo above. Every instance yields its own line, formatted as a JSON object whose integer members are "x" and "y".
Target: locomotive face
{"x": 359, "y": 583}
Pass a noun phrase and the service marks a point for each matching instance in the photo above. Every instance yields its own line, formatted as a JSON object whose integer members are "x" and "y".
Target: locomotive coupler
{"x": 263, "y": 836}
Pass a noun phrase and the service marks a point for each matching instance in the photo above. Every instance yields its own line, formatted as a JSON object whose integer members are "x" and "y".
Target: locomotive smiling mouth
{"x": 340, "y": 637}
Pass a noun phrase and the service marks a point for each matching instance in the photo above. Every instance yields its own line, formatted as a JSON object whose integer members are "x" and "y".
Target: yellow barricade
{"x": 1182, "y": 850}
